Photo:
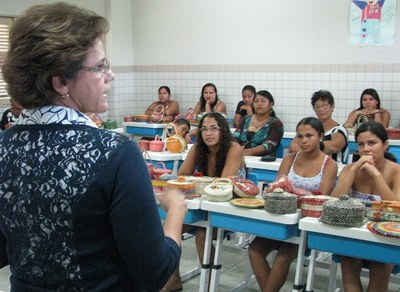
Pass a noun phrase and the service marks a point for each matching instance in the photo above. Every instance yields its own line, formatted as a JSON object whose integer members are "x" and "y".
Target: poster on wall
{"x": 372, "y": 22}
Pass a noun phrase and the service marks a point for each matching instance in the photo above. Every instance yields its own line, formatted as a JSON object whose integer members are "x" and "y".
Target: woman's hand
{"x": 366, "y": 164}
{"x": 172, "y": 200}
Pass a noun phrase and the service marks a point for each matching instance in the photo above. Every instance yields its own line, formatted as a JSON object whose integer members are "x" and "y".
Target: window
{"x": 5, "y": 24}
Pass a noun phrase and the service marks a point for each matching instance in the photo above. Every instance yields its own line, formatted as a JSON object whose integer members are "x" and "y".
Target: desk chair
{"x": 396, "y": 152}
{"x": 334, "y": 265}
{"x": 279, "y": 150}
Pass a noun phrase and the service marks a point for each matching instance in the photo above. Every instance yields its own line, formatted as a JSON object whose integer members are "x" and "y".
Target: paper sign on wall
{"x": 372, "y": 22}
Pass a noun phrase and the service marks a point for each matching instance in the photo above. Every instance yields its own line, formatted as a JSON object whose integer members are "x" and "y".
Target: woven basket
{"x": 280, "y": 202}
{"x": 345, "y": 212}
{"x": 201, "y": 183}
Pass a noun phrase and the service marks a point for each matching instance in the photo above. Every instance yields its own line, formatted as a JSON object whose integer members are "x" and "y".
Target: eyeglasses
{"x": 211, "y": 129}
{"x": 321, "y": 107}
{"x": 103, "y": 68}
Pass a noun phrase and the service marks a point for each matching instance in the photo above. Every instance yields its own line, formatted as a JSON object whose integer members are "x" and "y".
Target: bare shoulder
{"x": 235, "y": 147}
{"x": 385, "y": 111}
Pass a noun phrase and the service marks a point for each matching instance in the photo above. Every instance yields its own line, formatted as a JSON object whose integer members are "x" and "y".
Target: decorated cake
{"x": 245, "y": 188}
{"x": 382, "y": 210}
{"x": 345, "y": 212}
{"x": 185, "y": 186}
{"x": 311, "y": 206}
{"x": 280, "y": 202}
{"x": 220, "y": 190}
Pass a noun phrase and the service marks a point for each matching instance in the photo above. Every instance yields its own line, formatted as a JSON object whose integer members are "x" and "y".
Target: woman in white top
{"x": 310, "y": 169}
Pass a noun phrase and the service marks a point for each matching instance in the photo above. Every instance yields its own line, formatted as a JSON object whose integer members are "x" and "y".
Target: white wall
{"x": 179, "y": 32}
{"x": 118, "y": 12}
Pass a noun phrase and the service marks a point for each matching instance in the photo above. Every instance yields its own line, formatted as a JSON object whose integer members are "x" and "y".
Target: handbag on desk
{"x": 158, "y": 114}
{"x": 175, "y": 143}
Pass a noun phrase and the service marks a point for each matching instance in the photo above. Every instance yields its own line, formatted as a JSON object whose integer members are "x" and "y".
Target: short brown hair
{"x": 47, "y": 41}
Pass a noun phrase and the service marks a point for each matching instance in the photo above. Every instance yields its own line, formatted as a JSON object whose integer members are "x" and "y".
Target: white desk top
{"x": 259, "y": 214}
{"x": 144, "y": 125}
{"x": 291, "y": 135}
{"x": 118, "y": 130}
{"x": 362, "y": 233}
{"x": 192, "y": 204}
{"x": 163, "y": 156}
{"x": 255, "y": 162}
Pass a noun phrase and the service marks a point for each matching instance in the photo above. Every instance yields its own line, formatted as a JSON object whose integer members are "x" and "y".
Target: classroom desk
{"x": 352, "y": 242}
{"x": 144, "y": 129}
{"x": 171, "y": 160}
{"x": 224, "y": 216}
{"x": 265, "y": 171}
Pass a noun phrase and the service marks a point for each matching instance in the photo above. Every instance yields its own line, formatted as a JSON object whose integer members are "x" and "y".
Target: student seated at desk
{"x": 245, "y": 106}
{"x": 309, "y": 169}
{"x": 373, "y": 177}
{"x": 261, "y": 133}
{"x": 335, "y": 135}
{"x": 11, "y": 115}
{"x": 171, "y": 107}
{"x": 209, "y": 101}
{"x": 370, "y": 107}
{"x": 216, "y": 155}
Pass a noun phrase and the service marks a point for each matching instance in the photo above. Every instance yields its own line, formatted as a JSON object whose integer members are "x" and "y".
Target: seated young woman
{"x": 310, "y": 169}
{"x": 214, "y": 154}
{"x": 171, "y": 107}
{"x": 335, "y": 138}
{"x": 370, "y": 107}
{"x": 261, "y": 133}
{"x": 375, "y": 176}
{"x": 209, "y": 101}
{"x": 245, "y": 106}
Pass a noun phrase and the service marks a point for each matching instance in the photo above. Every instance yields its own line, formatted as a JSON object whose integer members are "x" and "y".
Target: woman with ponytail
{"x": 309, "y": 169}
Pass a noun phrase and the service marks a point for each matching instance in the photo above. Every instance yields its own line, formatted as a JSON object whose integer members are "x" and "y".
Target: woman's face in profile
{"x": 88, "y": 92}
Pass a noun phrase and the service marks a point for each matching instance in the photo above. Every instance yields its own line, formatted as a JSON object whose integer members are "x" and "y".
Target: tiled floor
{"x": 233, "y": 266}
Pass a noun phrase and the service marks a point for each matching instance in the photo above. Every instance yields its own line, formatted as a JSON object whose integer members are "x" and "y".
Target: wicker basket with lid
{"x": 345, "y": 212}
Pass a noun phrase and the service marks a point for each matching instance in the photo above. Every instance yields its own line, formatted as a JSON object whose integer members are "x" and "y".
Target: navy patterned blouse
{"x": 77, "y": 210}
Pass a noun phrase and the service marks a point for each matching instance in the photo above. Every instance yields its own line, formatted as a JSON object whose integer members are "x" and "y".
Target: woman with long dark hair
{"x": 370, "y": 108}
{"x": 375, "y": 176}
{"x": 214, "y": 154}
{"x": 209, "y": 101}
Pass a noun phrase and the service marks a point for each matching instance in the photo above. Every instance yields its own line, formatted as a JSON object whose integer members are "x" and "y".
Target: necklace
{"x": 254, "y": 128}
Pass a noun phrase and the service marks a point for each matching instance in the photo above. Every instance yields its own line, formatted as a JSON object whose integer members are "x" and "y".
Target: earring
{"x": 65, "y": 96}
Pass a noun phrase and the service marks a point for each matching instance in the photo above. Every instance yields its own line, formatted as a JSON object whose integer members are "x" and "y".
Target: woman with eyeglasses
{"x": 335, "y": 138}
{"x": 214, "y": 154}
{"x": 171, "y": 107}
{"x": 370, "y": 108}
{"x": 260, "y": 133}
{"x": 78, "y": 212}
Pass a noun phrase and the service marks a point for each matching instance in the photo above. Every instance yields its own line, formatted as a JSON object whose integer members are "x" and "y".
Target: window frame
{"x": 5, "y": 25}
